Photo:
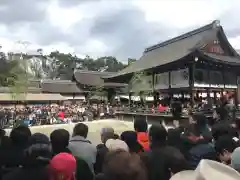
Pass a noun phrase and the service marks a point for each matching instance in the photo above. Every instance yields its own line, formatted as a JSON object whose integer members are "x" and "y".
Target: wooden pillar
{"x": 141, "y": 98}
{"x": 73, "y": 100}
{"x": 236, "y": 92}
{"x": 208, "y": 89}
{"x": 154, "y": 92}
{"x": 215, "y": 97}
{"x": 87, "y": 98}
{"x": 170, "y": 93}
{"x": 111, "y": 93}
{"x": 130, "y": 99}
{"x": 224, "y": 80}
{"x": 191, "y": 69}
{"x": 156, "y": 98}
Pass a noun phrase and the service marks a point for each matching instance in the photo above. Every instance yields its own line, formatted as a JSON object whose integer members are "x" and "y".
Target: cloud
{"x": 70, "y": 3}
{"x": 23, "y": 11}
{"x": 127, "y": 32}
{"x": 105, "y": 27}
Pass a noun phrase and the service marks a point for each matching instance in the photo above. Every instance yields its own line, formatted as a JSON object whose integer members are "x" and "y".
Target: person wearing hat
{"x": 116, "y": 144}
{"x": 63, "y": 167}
{"x": 208, "y": 170}
{"x": 235, "y": 162}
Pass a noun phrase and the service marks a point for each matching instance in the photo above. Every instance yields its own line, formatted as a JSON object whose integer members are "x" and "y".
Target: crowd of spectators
{"x": 194, "y": 151}
{"x": 53, "y": 114}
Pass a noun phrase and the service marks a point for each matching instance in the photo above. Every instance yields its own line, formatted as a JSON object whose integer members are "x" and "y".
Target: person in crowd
{"x": 236, "y": 127}
{"x": 197, "y": 140}
{"x": 208, "y": 169}
{"x": 130, "y": 138}
{"x": 235, "y": 159}
{"x": 141, "y": 127}
{"x": 115, "y": 144}
{"x": 121, "y": 165}
{"x": 2, "y": 133}
{"x": 225, "y": 145}
{"x": 106, "y": 133}
{"x": 116, "y": 136}
{"x": 61, "y": 115}
{"x": 59, "y": 141}
{"x": 197, "y": 132}
{"x": 37, "y": 156}
{"x": 81, "y": 147}
{"x": 221, "y": 129}
{"x": 13, "y": 156}
{"x": 62, "y": 167}
{"x": 160, "y": 161}
{"x": 203, "y": 150}
{"x": 198, "y": 129}
{"x": 4, "y": 139}
{"x": 174, "y": 138}
{"x": 176, "y": 109}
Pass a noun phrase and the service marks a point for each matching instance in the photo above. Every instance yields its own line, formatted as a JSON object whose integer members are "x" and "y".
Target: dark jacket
{"x": 29, "y": 173}
{"x": 12, "y": 157}
{"x": 102, "y": 150}
{"x": 199, "y": 152}
{"x": 157, "y": 163}
{"x": 61, "y": 150}
{"x": 83, "y": 171}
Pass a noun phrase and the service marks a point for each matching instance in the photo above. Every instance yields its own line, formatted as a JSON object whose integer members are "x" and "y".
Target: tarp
{"x": 31, "y": 97}
{"x": 74, "y": 97}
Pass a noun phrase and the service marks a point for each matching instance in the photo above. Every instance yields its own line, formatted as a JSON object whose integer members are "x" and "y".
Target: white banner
{"x": 161, "y": 81}
{"x": 180, "y": 78}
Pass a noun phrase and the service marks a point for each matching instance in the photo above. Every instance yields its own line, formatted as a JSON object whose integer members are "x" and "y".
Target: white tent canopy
{"x": 79, "y": 97}
{"x": 31, "y": 97}
{"x": 137, "y": 98}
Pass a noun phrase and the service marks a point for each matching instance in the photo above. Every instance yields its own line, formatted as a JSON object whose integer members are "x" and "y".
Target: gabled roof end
{"x": 214, "y": 24}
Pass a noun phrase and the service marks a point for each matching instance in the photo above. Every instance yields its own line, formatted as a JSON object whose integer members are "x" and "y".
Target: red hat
{"x": 63, "y": 167}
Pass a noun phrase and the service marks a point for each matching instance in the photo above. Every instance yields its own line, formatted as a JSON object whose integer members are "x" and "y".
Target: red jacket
{"x": 61, "y": 115}
{"x": 143, "y": 140}
{"x": 161, "y": 108}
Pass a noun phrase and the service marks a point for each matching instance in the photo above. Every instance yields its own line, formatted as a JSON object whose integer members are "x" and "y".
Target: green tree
{"x": 65, "y": 63}
{"x": 13, "y": 74}
{"x": 130, "y": 61}
{"x": 20, "y": 87}
{"x": 141, "y": 85}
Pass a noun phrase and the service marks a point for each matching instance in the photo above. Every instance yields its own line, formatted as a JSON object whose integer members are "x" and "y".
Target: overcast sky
{"x": 121, "y": 28}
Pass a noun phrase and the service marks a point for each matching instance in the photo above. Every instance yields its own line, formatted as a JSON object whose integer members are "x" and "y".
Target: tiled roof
{"x": 175, "y": 49}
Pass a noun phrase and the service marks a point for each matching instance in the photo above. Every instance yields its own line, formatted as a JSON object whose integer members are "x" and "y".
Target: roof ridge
{"x": 212, "y": 25}
{"x": 95, "y": 72}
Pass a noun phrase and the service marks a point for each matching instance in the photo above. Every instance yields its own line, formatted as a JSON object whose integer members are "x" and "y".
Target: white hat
{"x": 236, "y": 159}
{"x": 115, "y": 144}
{"x": 208, "y": 170}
